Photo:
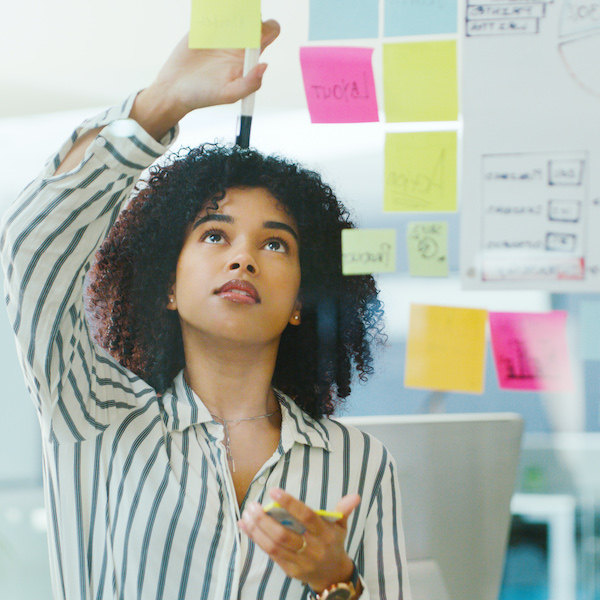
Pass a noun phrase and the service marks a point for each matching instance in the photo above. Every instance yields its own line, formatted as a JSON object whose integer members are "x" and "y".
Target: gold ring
{"x": 303, "y": 546}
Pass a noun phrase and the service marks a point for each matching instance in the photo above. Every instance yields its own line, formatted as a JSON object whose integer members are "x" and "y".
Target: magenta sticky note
{"x": 530, "y": 351}
{"x": 339, "y": 84}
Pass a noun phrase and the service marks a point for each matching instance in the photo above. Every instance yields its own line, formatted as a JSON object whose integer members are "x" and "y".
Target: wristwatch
{"x": 340, "y": 591}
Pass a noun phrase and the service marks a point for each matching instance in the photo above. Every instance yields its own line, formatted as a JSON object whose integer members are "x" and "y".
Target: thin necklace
{"x": 227, "y": 422}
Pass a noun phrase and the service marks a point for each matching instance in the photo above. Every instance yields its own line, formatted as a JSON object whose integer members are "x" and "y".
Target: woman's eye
{"x": 276, "y": 246}
{"x": 212, "y": 237}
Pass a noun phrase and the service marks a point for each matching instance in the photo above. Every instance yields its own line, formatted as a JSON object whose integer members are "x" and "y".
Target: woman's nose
{"x": 248, "y": 267}
{"x": 244, "y": 261}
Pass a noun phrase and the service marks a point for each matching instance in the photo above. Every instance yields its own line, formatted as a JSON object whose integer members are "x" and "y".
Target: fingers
{"x": 243, "y": 86}
{"x": 273, "y": 538}
{"x": 311, "y": 521}
{"x": 308, "y": 517}
{"x": 270, "y": 31}
{"x": 251, "y": 82}
{"x": 318, "y": 556}
{"x": 347, "y": 505}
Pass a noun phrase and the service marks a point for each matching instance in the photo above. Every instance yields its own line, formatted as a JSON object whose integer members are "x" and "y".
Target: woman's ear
{"x": 295, "y": 318}
{"x": 171, "y": 304}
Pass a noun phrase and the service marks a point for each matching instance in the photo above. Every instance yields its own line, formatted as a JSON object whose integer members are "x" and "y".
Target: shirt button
{"x": 262, "y": 480}
{"x": 101, "y": 141}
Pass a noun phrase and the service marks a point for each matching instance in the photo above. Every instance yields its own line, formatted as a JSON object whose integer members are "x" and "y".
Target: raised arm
{"x": 189, "y": 79}
{"x": 50, "y": 234}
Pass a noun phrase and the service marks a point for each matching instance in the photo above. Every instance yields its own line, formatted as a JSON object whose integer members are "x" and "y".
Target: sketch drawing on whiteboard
{"x": 533, "y": 218}
{"x": 493, "y": 17}
{"x": 579, "y": 42}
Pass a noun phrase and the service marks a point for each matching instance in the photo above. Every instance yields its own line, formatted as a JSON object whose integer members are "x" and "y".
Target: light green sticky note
{"x": 225, "y": 24}
{"x": 420, "y": 81}
{"x": 428, "y": 248}
{"x": 367, "y": 251}
{"x": 420, "y": 171}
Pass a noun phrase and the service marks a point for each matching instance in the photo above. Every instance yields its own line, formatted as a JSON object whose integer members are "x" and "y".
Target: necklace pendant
{"x": 226, "y": 423}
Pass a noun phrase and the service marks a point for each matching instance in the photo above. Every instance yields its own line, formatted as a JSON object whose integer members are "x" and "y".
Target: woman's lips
{"x": 238, "y": 290}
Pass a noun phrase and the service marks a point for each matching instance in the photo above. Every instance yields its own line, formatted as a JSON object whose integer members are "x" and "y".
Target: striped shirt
{"x": 139, "y": 496}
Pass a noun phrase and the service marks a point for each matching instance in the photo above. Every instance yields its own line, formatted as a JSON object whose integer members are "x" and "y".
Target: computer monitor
{"x": 457, "y": 475}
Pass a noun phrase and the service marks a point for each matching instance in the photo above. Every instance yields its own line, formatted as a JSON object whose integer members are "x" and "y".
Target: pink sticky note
{"x": 530, "y": 351}
{"x": 339, "y": 84}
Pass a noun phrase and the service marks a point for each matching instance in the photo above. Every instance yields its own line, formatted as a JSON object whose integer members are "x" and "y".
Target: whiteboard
{"x": 530, "y": 186}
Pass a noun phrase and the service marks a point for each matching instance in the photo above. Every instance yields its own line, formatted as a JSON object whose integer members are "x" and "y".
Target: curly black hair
{"x": 134, "y": 269}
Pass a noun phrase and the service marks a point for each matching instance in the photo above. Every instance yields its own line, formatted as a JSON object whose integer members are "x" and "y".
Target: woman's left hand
{"x": 317, "y": 557}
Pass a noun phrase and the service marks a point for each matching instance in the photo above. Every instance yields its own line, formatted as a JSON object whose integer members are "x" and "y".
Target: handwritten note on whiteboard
{"x": 366, "y": 251}
{"x": 530, "y": 198}
{"x": 343, "y": 19}
{"x": 446, "y": 348}
{"x": 534, "y": 213}
{"x": 530, "y": 351}
{"x": 225, "y": 24}
{"x": 428, "y": 248}
{"x": 339, "y": 84}
{"x": 420, "y": 171}
{"x": 420, "y": 81}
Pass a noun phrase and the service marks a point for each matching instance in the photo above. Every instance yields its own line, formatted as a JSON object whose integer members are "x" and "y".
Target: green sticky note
{"x": 420, "y": 171}
{"x": 367, "y": 251}
{"x": 225, "y": 24}
{"x": 428, "y": 248}
{"x": 420, "y": 81}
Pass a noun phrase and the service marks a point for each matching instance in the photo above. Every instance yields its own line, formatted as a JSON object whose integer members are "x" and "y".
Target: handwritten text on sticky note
{"x": 446, "y": 348}
{"x": 339, "y": 84}
{"x": 420, "y": 81}
{"x": 420, "y": 171}
{"x": 367, "y": 251}
{"x": 428, "y": 248}
{"x": 225, "y": 24}
{"x": 530, "y": 351}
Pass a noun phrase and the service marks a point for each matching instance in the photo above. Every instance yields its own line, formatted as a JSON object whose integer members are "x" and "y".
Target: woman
{"x": 223, "y": 332}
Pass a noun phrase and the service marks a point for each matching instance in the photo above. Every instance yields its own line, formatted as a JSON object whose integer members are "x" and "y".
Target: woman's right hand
{"x": 197, "y": 78}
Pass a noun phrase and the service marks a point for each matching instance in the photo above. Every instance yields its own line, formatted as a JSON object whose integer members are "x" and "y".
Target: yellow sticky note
{"x": 225, "y": 24}
{"x": 367, "y": 251}
{"x": 420, "y": 81}
{"x": 428, "y": 248}
{"x": 420, "y": 171}
{"x": 446, "y": 348}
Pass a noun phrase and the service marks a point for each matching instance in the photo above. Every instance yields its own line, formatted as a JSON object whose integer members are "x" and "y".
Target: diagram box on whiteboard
{"x": 528, "y": 233}
{"x": 502, "y": 26}
{"x": 565, "y": 172}
{"x": 564, "y": 210}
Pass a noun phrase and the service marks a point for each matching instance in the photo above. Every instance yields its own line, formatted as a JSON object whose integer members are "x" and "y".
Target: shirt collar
{"x": 183, "y": 409}
{"x": 297, "y": 426}
{"x": 182, "y": 406}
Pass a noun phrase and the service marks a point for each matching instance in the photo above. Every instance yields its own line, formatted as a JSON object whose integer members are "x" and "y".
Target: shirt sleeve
{"x": 384, "y": 554}
{"x": 48, "y": 240}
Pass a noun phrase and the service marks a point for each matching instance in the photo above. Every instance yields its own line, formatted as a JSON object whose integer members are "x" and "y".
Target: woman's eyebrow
{"x": 279, "y": 225}
{"x": 213, "y": 217}
{"x": 229, "y": 219}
